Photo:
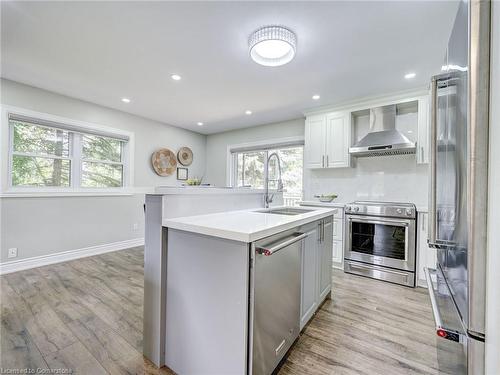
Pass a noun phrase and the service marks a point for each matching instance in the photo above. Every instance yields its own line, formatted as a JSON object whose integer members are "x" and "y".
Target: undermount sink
{"x": 285, "y": 211}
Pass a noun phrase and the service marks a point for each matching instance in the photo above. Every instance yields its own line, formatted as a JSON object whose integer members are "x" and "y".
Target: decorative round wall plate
{"x": 164, "y": 162}
{"x": 185, "y": 156}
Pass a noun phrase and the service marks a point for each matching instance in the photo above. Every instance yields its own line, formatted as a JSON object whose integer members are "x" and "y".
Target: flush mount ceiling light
{"x": 126, "y": 100}
{"x": 410, "y": 75}
{"x": 199, "y": 123}
{"x": 272, "y": 45}
{"x": 316, "y": 97}
{"x": 248, "y": 112}
{"x": 176, "y": 77}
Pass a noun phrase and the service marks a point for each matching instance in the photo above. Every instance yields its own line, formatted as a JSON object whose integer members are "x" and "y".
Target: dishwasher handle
{"x": 267, "y": 251}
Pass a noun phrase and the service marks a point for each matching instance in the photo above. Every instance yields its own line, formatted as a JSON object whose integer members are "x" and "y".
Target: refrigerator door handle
{"x": 441, "y": 329}
{"x": 433, "y": 163}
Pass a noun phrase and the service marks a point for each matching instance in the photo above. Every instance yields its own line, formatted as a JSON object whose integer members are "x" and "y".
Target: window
{"x": 40, "y": 155}
{"x": 46, "y": 154}
{"x": 102, "y": 164}
{"x": 250, "y": 166}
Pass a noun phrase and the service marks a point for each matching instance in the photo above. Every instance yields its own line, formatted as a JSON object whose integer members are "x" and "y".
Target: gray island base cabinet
{"x": 316, "y": 267}
{"x": 206, "y": 304}
{"x": 210, "y": 302}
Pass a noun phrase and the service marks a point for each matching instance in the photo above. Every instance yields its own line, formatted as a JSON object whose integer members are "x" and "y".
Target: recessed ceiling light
{"x": 199, "y": 123}
{"x": 410, "y": 75}
{"x": 272, "y": 45}
{"x": 248, "y": 112}
{"x": 126, "y": 100}
{"x": 176, "y": 77}
{"x": 316, "y": 97}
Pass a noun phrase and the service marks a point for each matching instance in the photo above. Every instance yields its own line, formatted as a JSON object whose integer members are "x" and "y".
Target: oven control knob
{"x": 356, "y": 209}
{"x": 348, "y": 208}
{"x": 409, "y": 212}
{"x": 399, "y": 211}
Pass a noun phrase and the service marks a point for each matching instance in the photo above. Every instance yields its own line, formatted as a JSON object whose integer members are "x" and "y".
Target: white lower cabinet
{"x": 338, "y": 239}
{"x": 337, "y": 253}
{"x": 325, "y": 266}
{"x": 308, "y": 292}
{"x": 316, "y": 267}
{"x": 426, "y": 256}
{"x": 337, "y": 228}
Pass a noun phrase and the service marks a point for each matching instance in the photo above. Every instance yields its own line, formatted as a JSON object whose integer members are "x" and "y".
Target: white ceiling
{"x": 103, "y": 51}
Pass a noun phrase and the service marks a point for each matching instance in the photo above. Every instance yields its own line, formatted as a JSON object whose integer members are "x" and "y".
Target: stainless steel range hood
{"x": 383, "y": 138}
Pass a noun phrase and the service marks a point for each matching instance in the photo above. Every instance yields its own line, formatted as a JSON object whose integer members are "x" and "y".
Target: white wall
{"x": 493, "y": 252}
{"x": 383, "y": 178}
{"x": 42, "y": 226}
{"x": 217, "y": 144}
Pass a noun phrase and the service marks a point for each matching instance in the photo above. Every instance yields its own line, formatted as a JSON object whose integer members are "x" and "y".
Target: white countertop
{"x": 245, "y": 225}
{"x": 195, "y": 190}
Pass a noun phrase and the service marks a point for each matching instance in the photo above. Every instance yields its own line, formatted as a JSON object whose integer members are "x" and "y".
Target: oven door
{"x": 383, "y": 241}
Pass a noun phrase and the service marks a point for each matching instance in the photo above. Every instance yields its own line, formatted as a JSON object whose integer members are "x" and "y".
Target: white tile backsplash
{"x": 384, "y": 178}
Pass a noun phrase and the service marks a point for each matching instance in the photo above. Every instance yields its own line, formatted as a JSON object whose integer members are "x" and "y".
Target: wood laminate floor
{"x": 86, "y": 315}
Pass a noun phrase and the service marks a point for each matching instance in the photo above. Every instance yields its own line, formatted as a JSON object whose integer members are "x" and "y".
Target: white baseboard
{"x": 64, "y": 256}
{"x": 422, "y": 283}
{"x": 339, "y": 266}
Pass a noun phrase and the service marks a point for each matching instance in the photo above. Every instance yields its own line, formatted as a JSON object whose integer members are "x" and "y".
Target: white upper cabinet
{"x": 338, "y": 139}
{"x": 327, "y": 140}
{"x": 314, "y": 149}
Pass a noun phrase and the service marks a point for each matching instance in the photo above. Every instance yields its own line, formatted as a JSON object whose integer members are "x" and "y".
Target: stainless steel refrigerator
{"x": 458, "y": 192}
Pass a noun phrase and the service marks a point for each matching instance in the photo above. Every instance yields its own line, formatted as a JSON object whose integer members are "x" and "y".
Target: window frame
{"x": 234, "y": 150}
{"x": 76, "y": 129}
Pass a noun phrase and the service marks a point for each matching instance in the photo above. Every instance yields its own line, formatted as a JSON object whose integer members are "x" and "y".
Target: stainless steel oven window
{"x": 379, "y": 239}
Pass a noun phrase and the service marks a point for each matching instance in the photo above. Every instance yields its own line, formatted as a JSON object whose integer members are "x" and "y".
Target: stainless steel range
{"x": 381, "y": 241}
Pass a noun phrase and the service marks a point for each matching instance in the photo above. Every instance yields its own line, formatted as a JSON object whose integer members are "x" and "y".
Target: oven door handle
{"x": 369, "y": 220}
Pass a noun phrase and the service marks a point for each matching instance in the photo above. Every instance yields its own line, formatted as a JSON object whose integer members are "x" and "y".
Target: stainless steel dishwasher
{"x": 274, "y": 299}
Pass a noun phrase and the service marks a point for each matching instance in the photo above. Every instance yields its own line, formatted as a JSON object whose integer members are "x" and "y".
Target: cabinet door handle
{"x": 327, "y": 164}
{"x": 323, "y": 161}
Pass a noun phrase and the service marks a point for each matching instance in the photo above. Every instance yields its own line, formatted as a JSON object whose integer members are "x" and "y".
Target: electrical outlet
{"x": 135, "y": 227}
{"x": 12, "y": 252}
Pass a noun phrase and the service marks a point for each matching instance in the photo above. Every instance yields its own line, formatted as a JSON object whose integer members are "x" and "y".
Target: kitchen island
{"x": 240, "y": 285}
{"x": 170, "y": 202}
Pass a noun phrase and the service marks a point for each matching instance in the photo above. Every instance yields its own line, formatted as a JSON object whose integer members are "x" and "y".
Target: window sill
{"x": 56, "y": 194}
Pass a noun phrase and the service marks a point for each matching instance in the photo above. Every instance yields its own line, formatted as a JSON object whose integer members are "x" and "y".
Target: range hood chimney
{"x": 383, "y": 138}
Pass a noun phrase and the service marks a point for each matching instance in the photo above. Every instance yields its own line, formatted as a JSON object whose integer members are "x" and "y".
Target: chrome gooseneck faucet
{"x": 268, "y": 198}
